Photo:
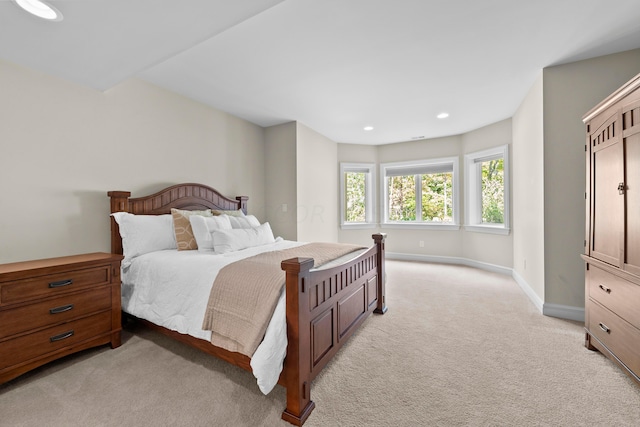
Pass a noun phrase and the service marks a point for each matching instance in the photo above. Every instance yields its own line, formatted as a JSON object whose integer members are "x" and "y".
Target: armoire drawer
{"x": 53, "y": 311}
{"x": 615, "y": 293}
{"x": 49, "y": 340}
{"x": 618, "y": 336}
{"x": 53, "y": 284}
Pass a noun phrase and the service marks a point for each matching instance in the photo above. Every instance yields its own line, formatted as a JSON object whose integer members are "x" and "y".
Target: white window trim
{"x": 370, "y": 195}
{"x": 473, "y": 220}
{"x": 385, "y": 223}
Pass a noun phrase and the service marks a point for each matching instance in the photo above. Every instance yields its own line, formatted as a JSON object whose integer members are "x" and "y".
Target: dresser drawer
{"x": 53, "y": 284}
{"x": 51, "y": 339}
{"x": 53, "y": 311}
{"x": 620, "y": 337}
{"x": 615, "y": 293}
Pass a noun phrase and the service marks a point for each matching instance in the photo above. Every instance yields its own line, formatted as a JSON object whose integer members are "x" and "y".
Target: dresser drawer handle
{"x": 61, "y": 309}
{"x": 61, "y": 283}
{"x": 604, "y": 327}
{"x": 604, "y": 288}
{"x": 62, "y": 336}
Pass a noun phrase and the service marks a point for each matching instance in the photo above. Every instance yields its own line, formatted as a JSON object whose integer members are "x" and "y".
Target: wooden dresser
{"x": 612, "y": 244}
{"x": 54, "y": 307}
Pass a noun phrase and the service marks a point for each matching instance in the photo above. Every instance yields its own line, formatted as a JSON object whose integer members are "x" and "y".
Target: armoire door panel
{"x": 632, "y": 200}
{"x": 608, "y": 203}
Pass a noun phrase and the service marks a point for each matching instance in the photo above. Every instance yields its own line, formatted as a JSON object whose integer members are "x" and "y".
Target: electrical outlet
{"x": 421, "y": 243}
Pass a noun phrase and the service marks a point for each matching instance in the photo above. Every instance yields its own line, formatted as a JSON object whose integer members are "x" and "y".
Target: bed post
{"x": 379, "y": 239}
{"x": 119, "y": 203}
{"x": 297, "y": 367}
{"x": 242, "y": 202}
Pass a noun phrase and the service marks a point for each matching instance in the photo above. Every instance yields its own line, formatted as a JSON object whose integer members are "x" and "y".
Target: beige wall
{"x": 63, "y": 146}
{"x": 571, "y": 90}
{"x": 528, "y": 192}
{"x": 301, "y": 182}
{"x": 446, "y": 243}
{"x": 475, "y": 244}
{"x": 454, "y": 244}
{"x": 358, "y": 153}
{"x": 317, "y": 181}
{"x": 280, "y": 179}
{"x": 549, "y": 177}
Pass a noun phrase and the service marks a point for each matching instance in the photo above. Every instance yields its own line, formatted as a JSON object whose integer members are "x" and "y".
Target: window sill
{"x": 490, "y": 229}
{"x": 422, "y": 226}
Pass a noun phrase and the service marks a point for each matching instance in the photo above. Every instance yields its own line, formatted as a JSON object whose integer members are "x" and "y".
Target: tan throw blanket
{"x": 245, "y": 294}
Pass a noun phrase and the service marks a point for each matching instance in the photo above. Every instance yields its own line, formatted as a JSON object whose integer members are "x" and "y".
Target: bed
{"x": 323, "y": 306}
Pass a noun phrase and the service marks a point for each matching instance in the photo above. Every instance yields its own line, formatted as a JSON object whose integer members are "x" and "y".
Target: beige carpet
{"x": 458, "y": 347}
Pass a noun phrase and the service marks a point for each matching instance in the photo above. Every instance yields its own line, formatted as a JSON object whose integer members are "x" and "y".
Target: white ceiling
{"x": 334, "y": 65}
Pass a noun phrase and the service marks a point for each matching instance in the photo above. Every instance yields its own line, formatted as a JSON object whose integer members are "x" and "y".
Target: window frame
{"x": 421, "y": 164}
{"x": 370, "y": 194}
{"x": 473, "y": 190}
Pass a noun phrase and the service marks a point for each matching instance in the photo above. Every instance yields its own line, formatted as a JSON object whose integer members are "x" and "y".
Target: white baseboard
{"x": 547, "y": 309}
{"x": 449, "y": 260}
{"x": 564, "y": 312}
{"x": 535, "y": 299}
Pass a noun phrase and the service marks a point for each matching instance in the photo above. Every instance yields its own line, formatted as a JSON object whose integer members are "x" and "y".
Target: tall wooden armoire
{"x": 612, "y": 243}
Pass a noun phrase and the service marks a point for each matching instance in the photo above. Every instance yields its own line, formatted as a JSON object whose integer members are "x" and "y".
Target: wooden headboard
{"x": 181, "y": 196}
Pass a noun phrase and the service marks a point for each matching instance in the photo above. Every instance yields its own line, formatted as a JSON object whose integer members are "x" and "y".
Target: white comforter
{"x": 172, "y": 289}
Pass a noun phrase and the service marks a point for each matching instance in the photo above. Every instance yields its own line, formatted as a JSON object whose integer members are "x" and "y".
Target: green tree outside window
{"x": 436, "y": 203}
{"x": 355, "y": 194}
{"x": 493, "y": 191}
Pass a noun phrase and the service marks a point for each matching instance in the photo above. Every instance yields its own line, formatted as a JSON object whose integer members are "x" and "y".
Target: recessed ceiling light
{"x": 368, "y": 128}
{"x": 40, "y": 9}
{"x": 442, "y": 115}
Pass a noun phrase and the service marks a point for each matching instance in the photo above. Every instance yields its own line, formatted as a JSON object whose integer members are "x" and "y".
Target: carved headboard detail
{"x": 181, "y": 196}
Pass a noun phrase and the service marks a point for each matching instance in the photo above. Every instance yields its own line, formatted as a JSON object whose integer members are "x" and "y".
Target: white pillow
{"x": 142, "y": 234}
{"x": 203, "y": 227}
{"x": 241, "y": 238}
{"x": 248, "y": 221}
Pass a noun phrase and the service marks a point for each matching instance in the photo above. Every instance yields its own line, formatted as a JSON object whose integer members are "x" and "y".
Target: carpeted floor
{"x": 458, "y": 347}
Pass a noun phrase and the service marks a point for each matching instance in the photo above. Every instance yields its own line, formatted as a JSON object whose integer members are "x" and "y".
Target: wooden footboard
{"x": 324, "y": 308}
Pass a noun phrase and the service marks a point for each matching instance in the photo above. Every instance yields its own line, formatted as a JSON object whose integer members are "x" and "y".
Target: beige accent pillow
{"x": 185, "y": 239}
